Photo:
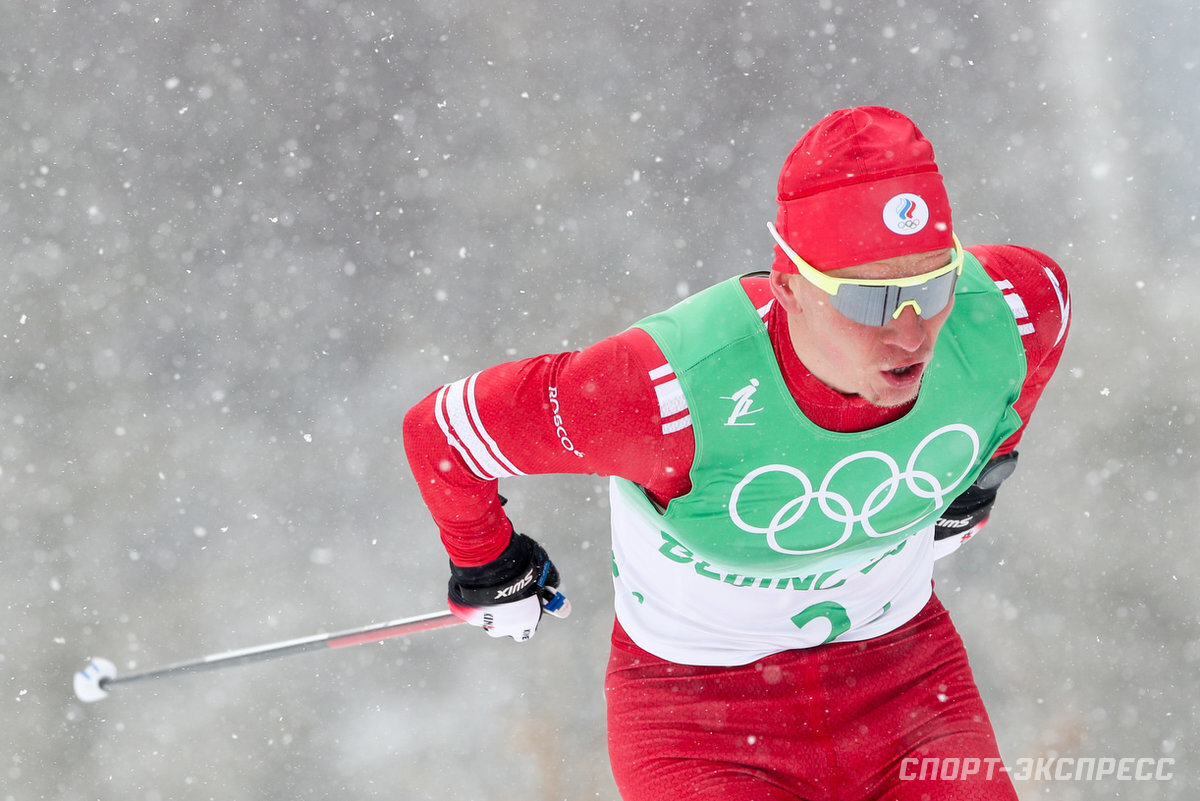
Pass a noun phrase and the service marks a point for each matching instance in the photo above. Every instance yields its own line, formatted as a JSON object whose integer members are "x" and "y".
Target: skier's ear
{"x": 785, "y": 291}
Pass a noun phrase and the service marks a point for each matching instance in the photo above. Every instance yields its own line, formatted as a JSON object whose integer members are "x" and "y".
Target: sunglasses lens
{"x": 868, "y": 305}
{"x": 877, "y": 305}
{"x": 933, "y": 295}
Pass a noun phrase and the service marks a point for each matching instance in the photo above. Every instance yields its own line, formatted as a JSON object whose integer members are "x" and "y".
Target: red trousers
{"x": 896, "y": 718}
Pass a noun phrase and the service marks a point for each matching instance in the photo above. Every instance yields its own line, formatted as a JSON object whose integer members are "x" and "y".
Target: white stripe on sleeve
{"x": 458, "y": 416}
{"x": 671, "y": 400}
{"x": 672, "y": 403}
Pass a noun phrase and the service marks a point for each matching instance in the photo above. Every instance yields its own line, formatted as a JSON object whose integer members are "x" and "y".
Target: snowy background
{"x": 241, "y": 238}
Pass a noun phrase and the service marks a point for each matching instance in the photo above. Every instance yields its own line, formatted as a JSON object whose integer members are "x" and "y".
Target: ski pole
{"x": 94, "y": 681}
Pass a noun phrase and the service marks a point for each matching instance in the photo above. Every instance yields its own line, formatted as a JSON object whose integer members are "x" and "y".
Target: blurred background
{"x": 240, "y": 239}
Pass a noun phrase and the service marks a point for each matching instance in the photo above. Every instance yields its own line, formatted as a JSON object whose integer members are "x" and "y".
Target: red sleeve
{"x": 1036, "y": 290}
{"x": 610, "y": 409}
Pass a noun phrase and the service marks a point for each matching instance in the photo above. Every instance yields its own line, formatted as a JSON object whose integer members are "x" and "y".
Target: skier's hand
{"x": 507, "y": 596}
{"x": 969, "y": 512}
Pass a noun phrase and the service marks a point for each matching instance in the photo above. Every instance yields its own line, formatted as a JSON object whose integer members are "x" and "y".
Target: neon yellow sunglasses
{"x": 876, "y": 301}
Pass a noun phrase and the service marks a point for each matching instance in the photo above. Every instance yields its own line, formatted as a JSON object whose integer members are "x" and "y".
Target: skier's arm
{"x": 600, "y": 410}
{"x": 1036, "y": 290}
{"x": 591, "y": 411}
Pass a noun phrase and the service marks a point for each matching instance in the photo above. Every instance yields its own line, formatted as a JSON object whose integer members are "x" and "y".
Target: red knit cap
{"x": 861, "y": 186}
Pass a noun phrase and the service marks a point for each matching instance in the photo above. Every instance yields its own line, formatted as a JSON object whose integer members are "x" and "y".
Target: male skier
{"x": 789, "y": 452}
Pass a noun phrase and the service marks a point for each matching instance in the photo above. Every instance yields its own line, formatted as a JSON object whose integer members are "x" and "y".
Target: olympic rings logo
{"x": 905, "y": 214}
{"x": 837, "y": 508}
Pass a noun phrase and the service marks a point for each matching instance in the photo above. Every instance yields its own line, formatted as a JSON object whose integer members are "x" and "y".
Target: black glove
{"x": 971, "y": 509}
{"x": 507, "y": 596}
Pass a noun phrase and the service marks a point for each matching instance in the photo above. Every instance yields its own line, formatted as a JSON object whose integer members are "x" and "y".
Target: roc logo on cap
{"x": 905, "y": 214}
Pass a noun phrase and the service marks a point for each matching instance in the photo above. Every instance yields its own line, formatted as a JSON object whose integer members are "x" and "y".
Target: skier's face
{"x": 883, "y": 364}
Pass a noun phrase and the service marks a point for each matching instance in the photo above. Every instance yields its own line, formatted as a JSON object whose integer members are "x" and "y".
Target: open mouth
{"x": 906, "y": 374}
